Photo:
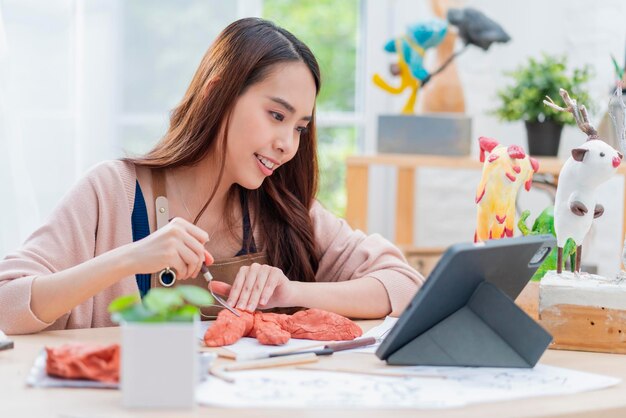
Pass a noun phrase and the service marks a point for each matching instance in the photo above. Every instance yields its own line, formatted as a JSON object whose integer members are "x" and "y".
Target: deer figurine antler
{"x": 590, "y": 165}
{"x": 579, "y": 113}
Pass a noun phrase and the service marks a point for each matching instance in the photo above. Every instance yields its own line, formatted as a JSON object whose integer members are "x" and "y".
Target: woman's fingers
{"x": 188, "y": 262}
{"x": 255, "y": 286}
{"x": 259, "y": 284}
{"x": 199, "y": 255}
{"x": 220, "y": 288}
{"x": 198, "y": 233}
{"x": 249, "y": 283}
{"x": 193, "y": 238}
{"x": 178, "y": 245}
{"x": 240, "y": 278}
{"x": 270, "y": 286}
{"x": 208, "y": 258}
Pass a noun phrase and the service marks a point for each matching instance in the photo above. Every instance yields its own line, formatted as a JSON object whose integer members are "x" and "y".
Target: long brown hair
{"x": 243, "y": 54}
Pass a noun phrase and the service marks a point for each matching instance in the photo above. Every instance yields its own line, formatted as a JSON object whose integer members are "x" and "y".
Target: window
{"x": 332, "y": 30}
{"x": 158, "y": 61}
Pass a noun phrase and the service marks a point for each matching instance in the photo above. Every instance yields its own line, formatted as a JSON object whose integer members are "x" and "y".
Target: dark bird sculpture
{"x": 477, "y": 29}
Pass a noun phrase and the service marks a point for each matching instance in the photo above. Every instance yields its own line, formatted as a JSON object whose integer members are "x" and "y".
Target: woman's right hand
{"x": 178, "y": 245}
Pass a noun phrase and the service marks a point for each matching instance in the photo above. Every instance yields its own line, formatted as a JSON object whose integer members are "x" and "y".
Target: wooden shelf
{"x": 408, "y": 166}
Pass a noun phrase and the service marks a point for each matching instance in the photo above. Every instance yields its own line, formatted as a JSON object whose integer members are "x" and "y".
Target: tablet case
{"x": 464, "y": 315}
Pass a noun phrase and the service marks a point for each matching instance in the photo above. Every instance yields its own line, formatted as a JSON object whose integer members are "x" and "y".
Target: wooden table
{"x": 408, "y": 165}
{"x": 17, "y": 400}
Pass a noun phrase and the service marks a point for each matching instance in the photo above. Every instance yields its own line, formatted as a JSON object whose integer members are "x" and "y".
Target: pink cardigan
{"x": 95, "y": 217}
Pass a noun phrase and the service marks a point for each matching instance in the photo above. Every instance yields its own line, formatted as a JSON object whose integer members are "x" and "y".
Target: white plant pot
{"x": 159, "y": 364}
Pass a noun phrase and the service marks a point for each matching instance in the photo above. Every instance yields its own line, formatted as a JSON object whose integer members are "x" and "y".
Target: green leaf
{"x": 161, "y": 305}
{"x": 521, "y": 224}
{"x": 186, "y": 313}
{"x": 123, "y": 302}
{"x": 537, "y": 78}
{"x": 195, "y": 295}
{"x": 133, "y": 313}
{"x": 619, "y": 72}
{"x": 161, "y": 301}
{"x": 544, "y": 224}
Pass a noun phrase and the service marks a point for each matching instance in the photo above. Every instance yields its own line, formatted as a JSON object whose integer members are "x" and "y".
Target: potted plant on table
{"x": 523, "y": 99}
{"x": 159, "y": 360}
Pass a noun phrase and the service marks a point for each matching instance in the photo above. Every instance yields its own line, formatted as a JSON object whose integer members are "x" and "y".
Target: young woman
{"x": 233, "y": 180}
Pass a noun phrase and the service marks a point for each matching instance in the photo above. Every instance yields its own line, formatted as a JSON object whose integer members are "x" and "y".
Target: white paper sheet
{"x": 249, "y": 348}
{"x": 204, "y": 325}
{"x": 379, "y": 332}
{"x": 458, "y": 386}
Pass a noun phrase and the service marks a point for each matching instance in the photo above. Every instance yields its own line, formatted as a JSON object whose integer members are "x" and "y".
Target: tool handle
{"x": 272, "y": 362}
{"x": 321, "y": 352}
{"x": 206, "y": 273}
{"x": 347, "y": 345}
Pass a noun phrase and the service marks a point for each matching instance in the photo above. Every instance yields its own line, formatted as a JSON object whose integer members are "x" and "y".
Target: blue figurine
{"x": 410, "y": 50}
{"x": 474, "y": 28}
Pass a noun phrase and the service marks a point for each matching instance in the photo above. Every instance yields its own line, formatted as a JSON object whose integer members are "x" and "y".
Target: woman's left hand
{"x": 259, "y": 286}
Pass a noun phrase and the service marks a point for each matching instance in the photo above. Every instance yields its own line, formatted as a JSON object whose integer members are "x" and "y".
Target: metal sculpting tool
{"x": 332, "y": 347}
{"x": 326, "y": 350}
{"x": 208, "y": 276}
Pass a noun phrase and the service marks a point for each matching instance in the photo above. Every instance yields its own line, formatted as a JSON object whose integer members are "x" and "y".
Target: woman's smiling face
{"x": 266, "y": 123}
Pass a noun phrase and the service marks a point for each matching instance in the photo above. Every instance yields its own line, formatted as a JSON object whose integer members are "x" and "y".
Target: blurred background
{"x": 83, "y": 81}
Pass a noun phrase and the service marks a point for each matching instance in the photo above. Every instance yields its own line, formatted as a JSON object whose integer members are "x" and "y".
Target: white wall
{"x": 587, "y": 31}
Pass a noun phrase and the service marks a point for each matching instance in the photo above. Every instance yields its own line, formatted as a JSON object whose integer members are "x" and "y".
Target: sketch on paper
{"x": 445, "y": 387}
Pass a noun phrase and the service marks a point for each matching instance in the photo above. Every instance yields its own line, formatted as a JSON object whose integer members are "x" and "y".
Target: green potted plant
{"x": 523, "y": 99}
{"x": 159, "y": 356}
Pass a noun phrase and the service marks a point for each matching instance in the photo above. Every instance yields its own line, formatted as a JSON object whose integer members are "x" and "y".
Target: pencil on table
{"x": 348, "y": 345}
{"x": 273, "y": 362}
{"x": 295, "y": 359}
{"x": 218, "y": 372}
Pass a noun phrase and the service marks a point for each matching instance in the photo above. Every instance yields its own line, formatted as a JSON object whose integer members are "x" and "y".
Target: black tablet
{"x": 500, "y": 269}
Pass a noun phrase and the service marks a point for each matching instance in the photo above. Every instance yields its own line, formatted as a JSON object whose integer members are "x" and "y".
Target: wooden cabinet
{"x": 422, "y": 259}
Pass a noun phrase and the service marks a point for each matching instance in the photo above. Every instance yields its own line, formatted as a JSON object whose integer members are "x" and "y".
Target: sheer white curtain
{"x": 85, "y": 81}
{"x": 19, "y": 209}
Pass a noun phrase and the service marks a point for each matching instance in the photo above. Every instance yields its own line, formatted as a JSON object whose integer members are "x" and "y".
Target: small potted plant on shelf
{"x": 159, "y": 360}
{"x": 523, "y": 99}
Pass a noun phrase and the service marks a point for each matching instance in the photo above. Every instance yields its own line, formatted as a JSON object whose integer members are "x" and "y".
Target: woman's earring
{"x": 167, "y": 277}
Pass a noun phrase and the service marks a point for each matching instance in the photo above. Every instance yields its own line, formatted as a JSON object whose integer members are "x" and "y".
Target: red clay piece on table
{"x": 84, "y": 361}
{"x": 316, "y": 324}
{"x": 268, "y": 329}
{"x": 228, "y": 328}
{"x": 277, "y": 329}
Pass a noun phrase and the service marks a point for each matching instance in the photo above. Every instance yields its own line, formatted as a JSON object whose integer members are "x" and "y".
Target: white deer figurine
{"x": 590, "y": 165}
